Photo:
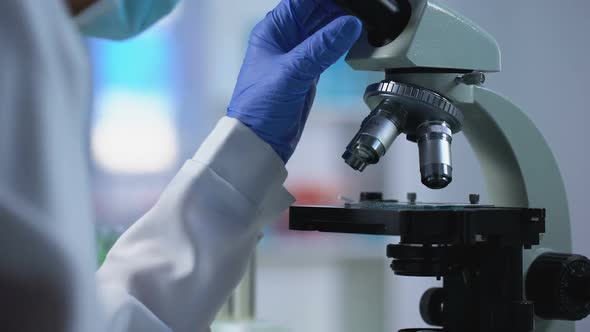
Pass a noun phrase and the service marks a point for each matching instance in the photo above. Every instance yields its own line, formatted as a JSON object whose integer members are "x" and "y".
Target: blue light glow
{"x": 141, "y": 64}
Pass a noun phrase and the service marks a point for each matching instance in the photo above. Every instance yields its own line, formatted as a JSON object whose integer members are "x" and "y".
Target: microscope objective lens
{"x": 377, "y": 133}
{"x": 434, "y": 144}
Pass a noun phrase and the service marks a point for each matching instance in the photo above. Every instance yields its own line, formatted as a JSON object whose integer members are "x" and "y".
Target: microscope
{"x": 506, "y": 266}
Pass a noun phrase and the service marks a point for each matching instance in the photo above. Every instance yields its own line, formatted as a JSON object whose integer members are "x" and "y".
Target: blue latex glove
{"x": 288, "y": 50}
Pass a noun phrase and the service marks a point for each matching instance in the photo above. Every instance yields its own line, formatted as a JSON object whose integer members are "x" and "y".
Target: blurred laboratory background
{"x": 158, "y": 95}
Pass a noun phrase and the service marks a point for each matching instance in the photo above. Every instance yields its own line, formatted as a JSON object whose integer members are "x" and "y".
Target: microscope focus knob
{"x": 559, "y": 286}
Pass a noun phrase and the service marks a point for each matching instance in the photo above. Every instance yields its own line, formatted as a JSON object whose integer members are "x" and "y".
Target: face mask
{"x": 121, "y": 19}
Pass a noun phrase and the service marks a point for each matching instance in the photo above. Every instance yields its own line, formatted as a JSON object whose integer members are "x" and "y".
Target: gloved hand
{"x": 288, "y": 50}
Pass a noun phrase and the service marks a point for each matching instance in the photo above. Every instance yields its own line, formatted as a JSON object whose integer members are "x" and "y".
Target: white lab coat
{"x": 173, "y": 269}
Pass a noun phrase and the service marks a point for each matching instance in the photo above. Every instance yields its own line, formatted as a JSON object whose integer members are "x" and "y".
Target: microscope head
{"x": 427, "y": 39}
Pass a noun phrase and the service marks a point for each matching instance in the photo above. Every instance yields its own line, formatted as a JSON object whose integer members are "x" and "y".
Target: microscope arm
{"x": 520, "y": 170}
{"x": 517, "y": 163}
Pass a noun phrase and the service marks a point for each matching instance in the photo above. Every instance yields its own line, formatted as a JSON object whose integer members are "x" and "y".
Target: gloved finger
{"x": 293, "y": 21}
{"x": 309, "y": 99}
{"x": 318, "y": 52}
{"x": 312, "y": 15}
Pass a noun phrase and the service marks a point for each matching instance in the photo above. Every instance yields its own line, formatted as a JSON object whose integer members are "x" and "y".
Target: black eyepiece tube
{"x": 384, "y": 20}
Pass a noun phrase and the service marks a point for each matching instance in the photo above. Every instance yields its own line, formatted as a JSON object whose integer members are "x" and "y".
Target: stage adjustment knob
{"x": 432, "y": 306}
{"x": 559, "y": 286}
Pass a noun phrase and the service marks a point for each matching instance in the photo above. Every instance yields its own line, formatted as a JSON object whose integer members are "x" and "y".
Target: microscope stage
{"x": 395, "y": 205}
{"x": 422, "y": 223}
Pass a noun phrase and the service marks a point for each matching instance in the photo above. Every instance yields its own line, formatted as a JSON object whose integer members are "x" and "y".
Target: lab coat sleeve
{"x": 175, "y": 267}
